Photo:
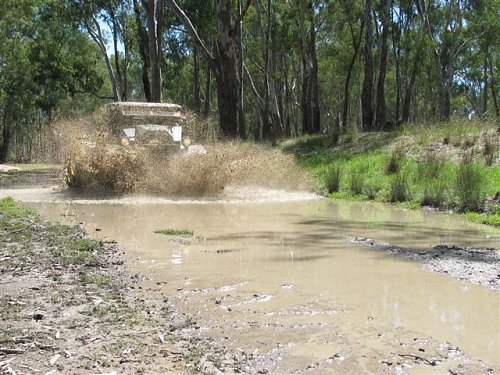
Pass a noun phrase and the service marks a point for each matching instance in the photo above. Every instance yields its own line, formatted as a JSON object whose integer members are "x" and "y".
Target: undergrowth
{"x": 434, "y": 169}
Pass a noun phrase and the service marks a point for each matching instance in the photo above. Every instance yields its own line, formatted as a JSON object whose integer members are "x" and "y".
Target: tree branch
{"x": 242, "y": 15}
{"x": 252, "y": 85}
{"x": 189, "y": 25}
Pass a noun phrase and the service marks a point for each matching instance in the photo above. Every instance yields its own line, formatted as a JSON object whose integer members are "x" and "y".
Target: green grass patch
{"x": 372, "y": 166}
{"x": 483, "y": 218}
{"x": 175, "y": 232}
{"x": 10, "y": 209}
{"x": 469, "y": 186}
{"x": 332, "y": 179}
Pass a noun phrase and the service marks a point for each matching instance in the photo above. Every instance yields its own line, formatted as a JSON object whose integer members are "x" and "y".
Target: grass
{"x": 470, "y": 186}
{"x": 489, "y": 219}
{"x": 175, "y": 232}
{"x": 357, "y": 180}
{"x": 395, "y": 162}
{"x": 373, "y": 165}
{"x": 9, "y": 209}
{"x": 22, "y": 225}
{"x": 399, "y": 189}
{"x": 332, "y": 179}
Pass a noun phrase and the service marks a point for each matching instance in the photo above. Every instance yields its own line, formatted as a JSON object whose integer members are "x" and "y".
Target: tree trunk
{"x": 366, "y": 95}
{"x": 410, "y": 87}
{"x": 493, "y": 85}
{"x": 119, "y": 76}
{"x": 381, "y": 116}
{"x": 196, "y": 79}
{"x": 143, "y": 51}
{"x": 239, "y": 35}
{"x": 347, "y": 84}
{"x": 208, "y": 91}
{"x": 315, "y": 111}
{"x": 444, "y": 92}
{"x": 225, "y": 64}
{"x": 97, "y": 37}
{"x": 6, "y": 136}
{"x": 227, "y": 72}
{"x": 484, "y": 106}
{"x": 154, "y": 15}
{"x": 396, "y": 42}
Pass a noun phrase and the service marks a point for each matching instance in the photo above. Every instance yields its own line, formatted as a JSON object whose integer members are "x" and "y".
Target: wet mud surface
{"x": 477, "y": 265}
{"x": 274, "y": 287}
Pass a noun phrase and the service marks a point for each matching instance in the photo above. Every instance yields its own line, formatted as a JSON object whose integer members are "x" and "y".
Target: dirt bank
{"x": 477, "y": 265}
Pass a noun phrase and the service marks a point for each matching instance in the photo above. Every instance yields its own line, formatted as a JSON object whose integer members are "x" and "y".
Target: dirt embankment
{"x": 477, "y": 265}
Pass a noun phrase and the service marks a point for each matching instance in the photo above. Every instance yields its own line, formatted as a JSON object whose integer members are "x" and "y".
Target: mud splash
{"x": 279, "y": 284}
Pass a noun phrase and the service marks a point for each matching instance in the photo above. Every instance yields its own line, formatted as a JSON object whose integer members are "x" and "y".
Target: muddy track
{"x": 75, "y": 310}
{"x": 46, "y": 177}
{"x": 478, "y": 265}
{"x": 101, "y": 317}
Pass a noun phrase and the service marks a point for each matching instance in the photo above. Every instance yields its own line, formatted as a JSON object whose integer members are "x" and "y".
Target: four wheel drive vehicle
{"x": 158, "y": 124}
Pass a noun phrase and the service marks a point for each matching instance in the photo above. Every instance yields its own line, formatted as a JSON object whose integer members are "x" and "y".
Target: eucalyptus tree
{"x": 225, "y": 62}
{"x": 155, "y": 15}
{"x": 367, "y": 94}
{"x": 446, "y": 25}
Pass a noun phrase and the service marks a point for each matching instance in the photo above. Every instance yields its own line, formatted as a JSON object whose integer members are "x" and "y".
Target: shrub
{"x": 400, "y": 191}
{"x": 430, "y": 167}
{"x": 434, "y": 195}
{"x": 394, "y": 163}
{"x": 371, "y": 191}
{"x": 435, "y": 188}
{"x": 357, "y": 181}
{"x": 469, "y": 186}
{"x": 332, "y": 179}
{"x": 489, "y": 152}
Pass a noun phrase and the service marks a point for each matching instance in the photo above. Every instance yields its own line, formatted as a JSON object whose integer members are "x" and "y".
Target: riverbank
{"x": 68, "y": 302}
{"x": 451, "y": 167}
{"x": 67, "y": 305}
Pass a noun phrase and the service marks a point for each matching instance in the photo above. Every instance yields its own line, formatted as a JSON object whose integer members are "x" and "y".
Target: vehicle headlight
{"x": 186, "y": 142}
{"x": 124, "y": 141}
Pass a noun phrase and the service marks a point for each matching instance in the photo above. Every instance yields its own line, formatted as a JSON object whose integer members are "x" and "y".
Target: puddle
{"x": 291, "y": 283}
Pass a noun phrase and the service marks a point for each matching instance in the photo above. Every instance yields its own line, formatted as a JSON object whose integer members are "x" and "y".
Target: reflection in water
{"x": 276, "y": 263}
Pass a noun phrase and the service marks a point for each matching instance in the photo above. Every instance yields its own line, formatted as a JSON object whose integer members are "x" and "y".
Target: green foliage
{"x": 10, "y": 209}
{"x": 371, "y": 192}
{"x": 44, "y": 61}
{"x": 483, "y": 218}
{"x": 470, "y": 186}
{"x": 395, "y": 161}
{"x": 433, "y": 177}
{"x": 489, "y": 152}
{"x": 332, "y": 178}
{"x": 357, "y": 180}
{"x": 429, "y": 180}
{"x": 70, "y": 248}
{"x": 175, "y": 232}
{"x": 399, "y": 188}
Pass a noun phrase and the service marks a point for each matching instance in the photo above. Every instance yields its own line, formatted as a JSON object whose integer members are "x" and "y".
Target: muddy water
{"x": 279, "y": 277}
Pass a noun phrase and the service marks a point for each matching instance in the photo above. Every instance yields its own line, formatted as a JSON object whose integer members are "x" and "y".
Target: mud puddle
{"x": 278, "y": 284}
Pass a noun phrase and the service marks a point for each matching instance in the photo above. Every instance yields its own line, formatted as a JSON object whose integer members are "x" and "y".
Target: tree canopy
{"x": 265, "y": 68}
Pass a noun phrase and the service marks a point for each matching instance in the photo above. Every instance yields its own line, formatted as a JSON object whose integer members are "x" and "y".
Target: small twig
{"x": 44, "y": 346}
{"x": 417, "y": 357}
{"x": 11, "y": 351}
{"x": 19, "y": 230}
{"x": 30, "y": 368}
